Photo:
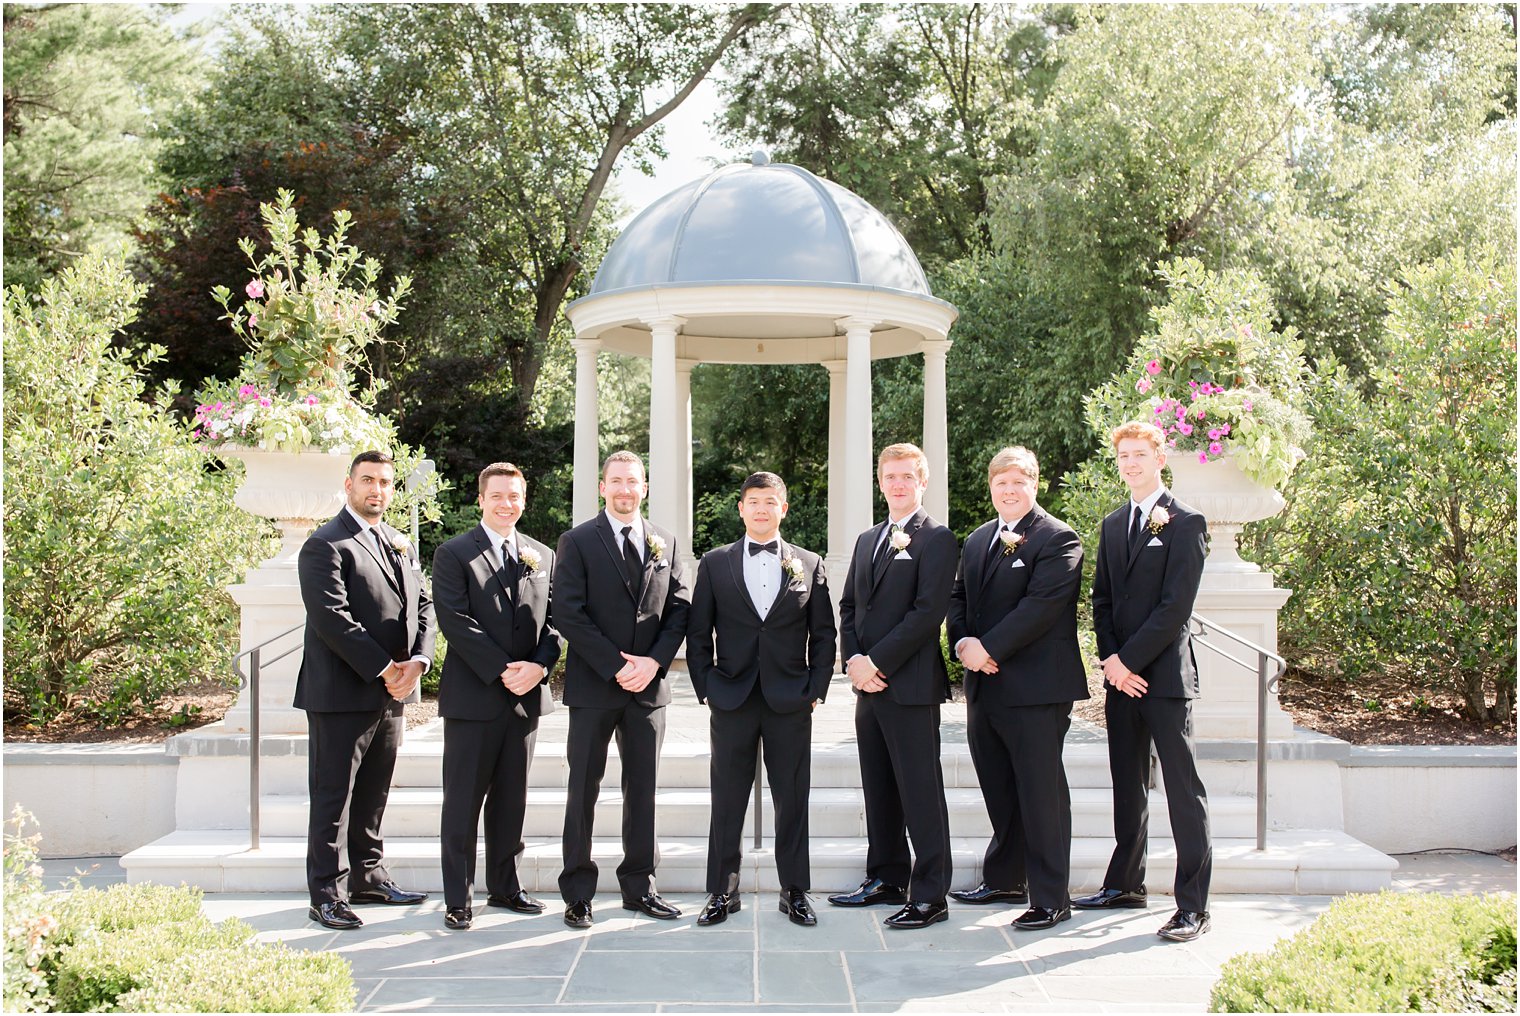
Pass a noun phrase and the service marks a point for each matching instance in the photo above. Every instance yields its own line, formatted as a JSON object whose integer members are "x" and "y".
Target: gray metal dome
{"x": 761, "y": 223}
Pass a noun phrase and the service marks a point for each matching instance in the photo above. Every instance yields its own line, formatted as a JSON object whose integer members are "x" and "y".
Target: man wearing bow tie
{"x": 767, "y": 601}
{"x": 1150, "y": 562}
{"x": 621, "y": 602}
{"x": 890, "y": 611}
{"x": 369, "y": 638}
{"x": 1013, "y": 624}
{"x": 491, "y": 592}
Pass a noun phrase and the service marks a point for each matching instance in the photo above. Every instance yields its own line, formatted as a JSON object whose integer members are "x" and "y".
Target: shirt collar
{"x": 617, "y": 525}
{"x": 901, "y": 523}
{"x": 497, "y": 539}
{"x": 364, "y": 527}
{"x": 1148, "y": 504}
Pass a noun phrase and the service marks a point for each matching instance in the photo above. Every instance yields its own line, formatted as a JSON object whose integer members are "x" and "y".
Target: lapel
{"x": 736, "y": 572}
{"x": 649, "y": 562}
{"x": 363, "y": 540}
{"x": 1132, "y": 551}
{"x": 483, "y": 548}
{"x": 786, "y": 580}
{"x": 610, "y": 541}
{"x": 909, "y": 527}
{"x": 983, "y": 538}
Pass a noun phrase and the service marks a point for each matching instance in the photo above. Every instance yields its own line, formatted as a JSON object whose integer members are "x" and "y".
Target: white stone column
{"x": 859, "y": 459}
{"x": 664, "y": 453}
{"x": 587, "y": 459}
{"x": 936, "y": 431}
{"x": 683, "y": 526}
{"x": 841, "y": 540}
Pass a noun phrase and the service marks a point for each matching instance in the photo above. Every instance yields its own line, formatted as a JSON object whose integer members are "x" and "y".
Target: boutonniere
{"x": 900, "y": 539}
{"x": 656, "y": 547}
{"x": 529, "y": 557}
{"x": 1011, "y": 542}
{"x": 792, "y": 566}
{"x": 401, "y": 544}
{"x": 1159, "y": 518}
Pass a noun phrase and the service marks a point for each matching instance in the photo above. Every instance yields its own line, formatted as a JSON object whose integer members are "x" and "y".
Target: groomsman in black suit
{"x": 621, "y": 603}
{"x": 768, "y": 602}
{"x": 1150, "y": 561}
{"x": 1013, "y": 623}
{"x": 890, "y": 612}
{"x": 491, "y": 592}
{"x": 369, "y": 639}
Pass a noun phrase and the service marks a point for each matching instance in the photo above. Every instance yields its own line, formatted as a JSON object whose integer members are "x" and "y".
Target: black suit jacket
{"x": 491, "y": 621}
{"x": 1142, "y": 600}
{"x": 601, "y": 615}
{"x": 358, "y": 619}
{"x": 893, "y": 613}
{"x": 1023, "y": 607}
{"x": 791, "y": 652}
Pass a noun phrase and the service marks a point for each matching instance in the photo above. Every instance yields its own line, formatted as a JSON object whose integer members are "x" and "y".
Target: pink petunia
{"x": 1225, "y": 430}
{"x": 1153, "y": 368}
{"x": 1215, "y": 448}
{"x": 1203, "y": 457}
{"x": 1186, "y": 429}
{"x": 1143, "y": 385}
{"x": 253, "y": 320}
{"x": 1214, "y": 434}
{"x": 1248, "y": 405}
{"x": 265, "y": 403}
{"x": 254, "y": 289}
{"x": 311, "y": 400}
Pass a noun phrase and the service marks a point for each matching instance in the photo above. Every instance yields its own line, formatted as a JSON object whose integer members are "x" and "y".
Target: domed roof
{"x": 759, "y": 222}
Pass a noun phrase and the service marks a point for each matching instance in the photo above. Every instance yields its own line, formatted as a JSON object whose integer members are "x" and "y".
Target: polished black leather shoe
{"x": 578, "y": 914}
{"x": 335, "y": 914}
{"x": 1113, "y": 899}
{"x": 1184, "y": 926}
{"x": 654, "y": 906}
{"x": 919, "y": 915}
{"x": 869, "y": 893}
{"x": 1036, "y": 918}
{"x": 795, "y": 905}
{"x": 719, "y": 906}
{"x": 459, "y": 918}
{"x": 387, "y": 892}
{"x": 984, "y": 893}
{"x": 519, "y": 903}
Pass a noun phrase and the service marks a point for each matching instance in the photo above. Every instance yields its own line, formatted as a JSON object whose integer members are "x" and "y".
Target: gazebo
{"x": 761, "y": 263}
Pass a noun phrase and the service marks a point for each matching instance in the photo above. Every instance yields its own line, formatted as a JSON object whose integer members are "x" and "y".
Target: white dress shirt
{"x": 501, "y": 546}
{"x": 637, "y": 535}
{"x": 762, "y": 576}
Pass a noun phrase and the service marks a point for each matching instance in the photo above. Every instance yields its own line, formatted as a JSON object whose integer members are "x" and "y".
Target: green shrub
{"x": 252, "y": 978}
{"x": 119, "y": 907}
{"x": 94, "y": 972}
{"x": 1390, "y": 952}
{"x": 31, "y": 941}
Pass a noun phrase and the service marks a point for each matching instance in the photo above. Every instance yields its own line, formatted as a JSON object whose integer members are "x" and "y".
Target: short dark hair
{"x": 763, "y": 481}
{"x": 498, "y": 469}
{"x": 371, "y": 456}
{"x": 623, "y": 456}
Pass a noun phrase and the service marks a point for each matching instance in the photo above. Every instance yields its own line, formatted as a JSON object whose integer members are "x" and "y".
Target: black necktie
{"x": 881, "y": 548}
{"x": 997, "y": 543}
{"x": 632, "y": 563}
{"x": 761, "y": 548}
{"x": 1135, "y": 529}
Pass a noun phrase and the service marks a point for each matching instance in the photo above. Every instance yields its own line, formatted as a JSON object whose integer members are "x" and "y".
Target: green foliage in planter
{"x": 120, "y": 907}
{"x": 1389, "y": 952}
{"x": 253, "y": 978}
{"x": 94, "y": 972}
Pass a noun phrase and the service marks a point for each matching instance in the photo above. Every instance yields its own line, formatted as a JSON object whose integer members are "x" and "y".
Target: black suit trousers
{"x": 738, "y": 735}
{"x": 1017, "y": 754}
{"x": 349, "y": 762}
{"x": 1133, "y": 723}
{"x": 485, "y": 763}
{"x": 904, "y": 788}
{"x": 640, "y": 732}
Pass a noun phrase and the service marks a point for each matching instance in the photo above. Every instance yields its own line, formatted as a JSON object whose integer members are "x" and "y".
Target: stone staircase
{"x": 210, "y": 845}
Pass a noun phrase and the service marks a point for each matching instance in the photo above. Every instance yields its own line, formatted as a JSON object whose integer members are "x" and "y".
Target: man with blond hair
{"x": 1150, "y": 561}
{"x": 890, "y": 612}
{"x": 1013, "y": 624}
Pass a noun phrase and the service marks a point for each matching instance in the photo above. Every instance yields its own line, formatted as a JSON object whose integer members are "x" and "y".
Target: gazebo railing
{"x": 257, "y": 660}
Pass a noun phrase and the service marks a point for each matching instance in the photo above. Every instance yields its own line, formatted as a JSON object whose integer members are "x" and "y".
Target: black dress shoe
{"x": 870, "y": 892}
{"x": 1112, "y": 899}
{"x": 519, "y": 903}
{"x": 578, "y": 914}
{"x": 984, "y": 893}
{"x": 334, "y": 914}
{"x": 919, "y": 915}
{"x": 387, "y": 892}
{"x": 1185, "y": 926}
{"x": 795, "y": 905}
{"x": 651, "y": 904}
{"x": 1036, "y": 918}
{"x": 459, "y": 918}
{"x": 719, "y": 906}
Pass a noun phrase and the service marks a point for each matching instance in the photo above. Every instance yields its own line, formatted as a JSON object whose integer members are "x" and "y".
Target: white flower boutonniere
{"x": 1159, "y": 518}
{"x": 529, "y": 558}
{"x": 900, "y": 539}
{"x": 656, "y": 547}
{"x": 792, "y": 566}
{"x": 401, "y": 545}
{"x": 1011, "y": 542}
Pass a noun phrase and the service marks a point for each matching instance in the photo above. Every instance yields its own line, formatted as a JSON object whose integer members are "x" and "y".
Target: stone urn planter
{"x": 1228, "y": 499}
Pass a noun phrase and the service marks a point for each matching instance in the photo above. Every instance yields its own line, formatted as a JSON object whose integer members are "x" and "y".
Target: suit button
{"x": 868, "y": 606}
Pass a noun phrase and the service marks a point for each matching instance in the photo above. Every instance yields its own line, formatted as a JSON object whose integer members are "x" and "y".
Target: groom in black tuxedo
{"x": 491, "y": 592}
{"x": 621, "y": 602}
{"x": 890, "y": 611}
{"x": 768, "y": 603}
{"x": 369, "y": 638}
{"x": 1150, "y": 561}
{"x": 1013, "y": 623}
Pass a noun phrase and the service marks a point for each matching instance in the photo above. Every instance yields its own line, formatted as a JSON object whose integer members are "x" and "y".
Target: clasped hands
{"x": 636, "y": 674}
{"x": 402, "y": 678}
{"x": 864, "y": 675}
{"x": 522, "y": 676}
{"x": 974, "y": 656}
{"x": 1122, "y": 678}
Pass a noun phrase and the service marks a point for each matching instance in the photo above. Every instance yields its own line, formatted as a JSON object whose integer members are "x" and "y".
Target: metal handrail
{"x": 250, "y": 681}
{"x": 1265, "y": 683}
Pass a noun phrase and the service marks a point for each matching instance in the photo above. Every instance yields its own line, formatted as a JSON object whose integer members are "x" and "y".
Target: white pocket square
{"x": 1155, "y": 542}
{"x": 1017, "y": 563}
{"x": 902, "y": 555}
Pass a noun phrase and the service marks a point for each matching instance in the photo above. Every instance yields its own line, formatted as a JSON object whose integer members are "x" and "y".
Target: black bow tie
{"x": 757, "y": 548}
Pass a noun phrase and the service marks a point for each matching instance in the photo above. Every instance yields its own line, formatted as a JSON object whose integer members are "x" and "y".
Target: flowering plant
{"x": 792, "y": 566}
{"x": 1215, "y": 376}
{"x": 656, "y": 546}
{"x": 529, "y": 558}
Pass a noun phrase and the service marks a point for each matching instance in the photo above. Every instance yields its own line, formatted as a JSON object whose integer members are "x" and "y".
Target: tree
{"x": 86, "y": 88}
